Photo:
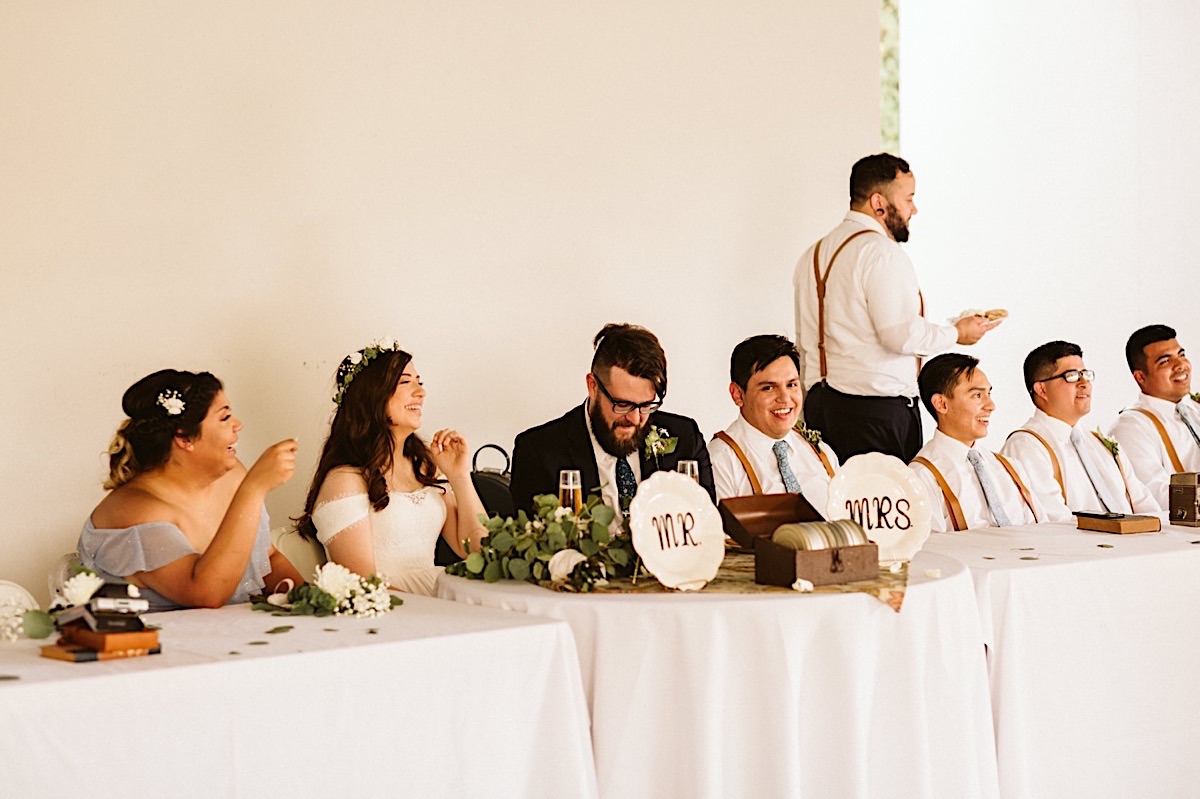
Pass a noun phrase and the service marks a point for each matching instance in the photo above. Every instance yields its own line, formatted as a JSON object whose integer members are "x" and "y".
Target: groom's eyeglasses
{"x": 622, "y": 407}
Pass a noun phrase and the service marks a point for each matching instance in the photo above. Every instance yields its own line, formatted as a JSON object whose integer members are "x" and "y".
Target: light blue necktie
{"x": 790, "y": 483}
{"x": 1079, "y": 442}
{"x": 1185, "y": 414}
{"x": 990, "y": 495}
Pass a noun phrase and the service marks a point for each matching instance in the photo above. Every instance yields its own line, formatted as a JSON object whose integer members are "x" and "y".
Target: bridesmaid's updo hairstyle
{"x": 159, "y": 407}
{"x": 360, "y": 435}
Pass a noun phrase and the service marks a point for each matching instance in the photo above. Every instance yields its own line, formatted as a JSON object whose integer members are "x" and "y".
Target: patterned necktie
{"x": 1094, "y": 475}
{"x": 990, "y": 495}
{"x": 1186, "y": 415}
{"x": 626, "y": 484}
{"x": 790, "y": 483}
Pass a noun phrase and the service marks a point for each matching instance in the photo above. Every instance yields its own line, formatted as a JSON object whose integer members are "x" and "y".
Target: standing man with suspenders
{"x": 860, "y": 320}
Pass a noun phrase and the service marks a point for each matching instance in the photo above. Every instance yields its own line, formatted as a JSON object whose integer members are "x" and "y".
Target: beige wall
{"x": 1054, "y": 147}
{"x": 259, "y": 188}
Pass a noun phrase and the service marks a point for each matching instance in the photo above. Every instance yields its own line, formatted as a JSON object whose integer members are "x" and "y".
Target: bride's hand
{"x": 450, "y": 453}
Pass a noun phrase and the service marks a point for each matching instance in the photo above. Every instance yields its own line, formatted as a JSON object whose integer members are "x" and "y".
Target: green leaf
{"x": 588, "y": 547}
{"x": 37, "y": 624}
{"x": 503, "y": 541}
{"x": 475, "y": 563}
{"x": 518, "y": 569}
{"x": 604, "y": 515}
{"x": 396, "y": 601}
{"x": 600, "y": 533}
{"x": 492, "y": 573}
{"x": 286, "y": 628}
{"x": 539, "y": 570}
{"x": 619, "y": 557}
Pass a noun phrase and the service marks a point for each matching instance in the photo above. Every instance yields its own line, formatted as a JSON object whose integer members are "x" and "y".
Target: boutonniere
{"x": 659, "y": 443}
{"x": 807, "y": 433}
{"x": 1195, "y": 396}
{"x": 1110, "y": 444}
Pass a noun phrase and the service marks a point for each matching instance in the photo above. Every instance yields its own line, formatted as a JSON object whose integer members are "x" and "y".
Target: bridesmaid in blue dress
{"x": 185, "y": 520}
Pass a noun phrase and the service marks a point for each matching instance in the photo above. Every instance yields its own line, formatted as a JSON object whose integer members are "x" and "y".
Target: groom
{"x": 605, "y": 437}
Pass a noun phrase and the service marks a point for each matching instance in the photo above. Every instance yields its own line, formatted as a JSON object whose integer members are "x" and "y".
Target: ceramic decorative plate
{"x": 884, "y": 496}
{"x": 677, "y": 531}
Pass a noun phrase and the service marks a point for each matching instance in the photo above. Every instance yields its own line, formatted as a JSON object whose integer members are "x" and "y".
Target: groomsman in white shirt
{"x": 1072, "y": 469}
{"x": 968, "y": 486}
{"x": 762, "y": 452}
{"x": 1161, "y": 431}
{"x": 860, "y": 319}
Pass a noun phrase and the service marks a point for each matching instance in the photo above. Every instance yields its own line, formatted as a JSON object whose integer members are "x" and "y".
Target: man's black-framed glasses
{"x": 1073, "y": 376}
{"x": 623, "y": 407}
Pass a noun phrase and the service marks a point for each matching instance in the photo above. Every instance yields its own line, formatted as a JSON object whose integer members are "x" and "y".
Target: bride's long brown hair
{"x": 361, "y": 435}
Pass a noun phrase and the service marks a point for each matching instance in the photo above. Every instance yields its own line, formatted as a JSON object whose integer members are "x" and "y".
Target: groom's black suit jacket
{"x": 541, "y": 452}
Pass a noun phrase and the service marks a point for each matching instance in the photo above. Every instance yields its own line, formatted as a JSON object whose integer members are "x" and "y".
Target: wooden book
{"x": 80, "y": 654}
{"x": 79, "y": 633}
{"x": 1122, "y": 525}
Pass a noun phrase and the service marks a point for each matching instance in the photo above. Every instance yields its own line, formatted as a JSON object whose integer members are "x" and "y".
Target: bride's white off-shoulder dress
{"x": 404, "y": 533}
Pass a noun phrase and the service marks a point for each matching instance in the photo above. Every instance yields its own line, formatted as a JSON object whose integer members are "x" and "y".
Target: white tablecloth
{"x": 442, "y": 700}
{"x": 719, "y": 695}
{"x": 1093, "y": 657}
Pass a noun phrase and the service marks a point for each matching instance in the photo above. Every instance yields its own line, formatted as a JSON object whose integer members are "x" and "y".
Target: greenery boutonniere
{"x": 1110, "y": 444}
{"x": 807, "y": 433}
{"x": 659, "y": 443}
{"x": 1195, "y": 396}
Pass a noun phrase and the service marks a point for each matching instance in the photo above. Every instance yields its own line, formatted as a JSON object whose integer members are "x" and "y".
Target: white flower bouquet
{"x": 334, "y": 591}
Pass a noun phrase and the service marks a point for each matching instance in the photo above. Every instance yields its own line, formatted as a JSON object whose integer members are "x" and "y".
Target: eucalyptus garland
{"x": 524, "y": 548}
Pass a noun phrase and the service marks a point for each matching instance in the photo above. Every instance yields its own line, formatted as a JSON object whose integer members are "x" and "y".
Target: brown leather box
{"x": 1183, "y": 493}
{"x": 752, "y": 520}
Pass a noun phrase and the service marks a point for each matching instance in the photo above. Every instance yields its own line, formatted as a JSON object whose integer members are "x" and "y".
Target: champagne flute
{"x": 690, "y": 468}
{"x": 570, "y": 490}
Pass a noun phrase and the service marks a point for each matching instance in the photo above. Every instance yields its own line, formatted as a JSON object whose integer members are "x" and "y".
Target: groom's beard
{"x": 617, "y": 447}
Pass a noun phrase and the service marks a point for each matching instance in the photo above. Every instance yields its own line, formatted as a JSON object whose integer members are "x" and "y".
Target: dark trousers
{"x": 852, "y": 425}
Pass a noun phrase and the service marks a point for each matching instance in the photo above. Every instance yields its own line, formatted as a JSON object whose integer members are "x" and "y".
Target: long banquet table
{"x": 718, "y": 695}
{"x": 1093, "y": 657}
{"x": 432, "y": 699}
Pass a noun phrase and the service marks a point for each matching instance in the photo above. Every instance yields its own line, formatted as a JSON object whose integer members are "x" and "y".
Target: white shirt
{"x": 874, "y": 332}
{"x": 606, "y": 465}
{"x": 731, "y": 478}
{"x": 950, "y": 457}
{"x": 1081, "y": 494}
{"x": 1140, "y": 440}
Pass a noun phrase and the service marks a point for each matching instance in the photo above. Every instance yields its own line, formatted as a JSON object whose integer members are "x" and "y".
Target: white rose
{"x": 356, "y": 357}
{"x": 560, "y": 512}
{"x": 79, "y": 589}
{"x": 803, "y": 586}
{"x": 564, "y": 562}
{"x": 387, "y": 344}
{"x": 336, "y": 580}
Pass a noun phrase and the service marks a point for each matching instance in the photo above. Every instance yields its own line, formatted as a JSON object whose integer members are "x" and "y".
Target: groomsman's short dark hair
{"x": 870, "y": 174}
{"x": 1039, "y": 364}
{"x": 757, "y": 353}
{"x": 1135, "y": 348}
{"x": 941, "y": 374}
{"x": 633, "y": 348}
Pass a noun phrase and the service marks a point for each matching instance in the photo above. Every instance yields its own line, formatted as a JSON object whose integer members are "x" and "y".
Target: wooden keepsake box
{"x": 1184, "y": 493}
{"x": 752, "y": 520}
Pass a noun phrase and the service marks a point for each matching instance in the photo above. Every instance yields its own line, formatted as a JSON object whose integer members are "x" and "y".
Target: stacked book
{"x": 107, "y": 627}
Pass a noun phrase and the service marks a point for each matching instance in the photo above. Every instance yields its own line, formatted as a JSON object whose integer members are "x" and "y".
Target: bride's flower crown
{"x": 355, "y": 362}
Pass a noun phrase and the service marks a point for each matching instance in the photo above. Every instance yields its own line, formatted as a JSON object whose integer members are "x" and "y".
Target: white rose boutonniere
{"x": 810, "y": 435}
{"x": 1110, "y": 444}
{"x": 659, "y": 443}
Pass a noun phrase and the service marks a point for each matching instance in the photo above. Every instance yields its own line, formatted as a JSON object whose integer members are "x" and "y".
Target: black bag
{"x": 492, "y": 487}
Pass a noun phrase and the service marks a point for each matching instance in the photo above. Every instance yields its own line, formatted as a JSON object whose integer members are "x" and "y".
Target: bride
{"x": 376, "y": 503}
